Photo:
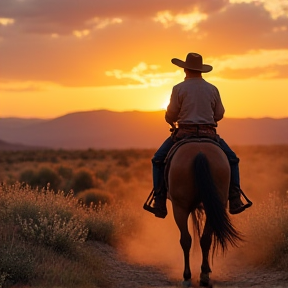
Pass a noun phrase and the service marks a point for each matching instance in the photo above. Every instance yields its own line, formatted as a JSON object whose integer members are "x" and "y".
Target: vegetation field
{"x": 55, "y": 203}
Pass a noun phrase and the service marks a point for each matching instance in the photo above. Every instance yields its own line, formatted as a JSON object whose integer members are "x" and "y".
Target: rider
{"x": 194, "y": 104}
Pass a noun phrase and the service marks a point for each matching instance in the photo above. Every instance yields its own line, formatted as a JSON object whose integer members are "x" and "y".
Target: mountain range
{"x": 103, "y": 129}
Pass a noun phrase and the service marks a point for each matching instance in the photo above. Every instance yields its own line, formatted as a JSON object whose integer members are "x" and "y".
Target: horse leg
{"x": 181, "y": 219}
{"x": 205, "y": 243}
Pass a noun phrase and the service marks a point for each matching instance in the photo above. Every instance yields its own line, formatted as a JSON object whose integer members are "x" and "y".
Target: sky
{"x": 63, "y": 56}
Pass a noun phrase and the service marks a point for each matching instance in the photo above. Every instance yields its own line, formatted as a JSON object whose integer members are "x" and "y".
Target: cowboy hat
{"x": 193, "y": 62}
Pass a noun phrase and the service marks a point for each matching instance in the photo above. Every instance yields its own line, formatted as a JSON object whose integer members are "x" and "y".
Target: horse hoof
{"x": 187, "y": 283}
{"x": 205, "y": 284}
{"x": 205, "y": 280}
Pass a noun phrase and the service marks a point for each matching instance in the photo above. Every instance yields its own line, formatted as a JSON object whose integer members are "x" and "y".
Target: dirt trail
{"x": 121, "y": 273}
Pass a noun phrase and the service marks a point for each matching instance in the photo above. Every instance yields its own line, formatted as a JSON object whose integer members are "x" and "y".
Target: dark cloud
{"x": 64, "y": 16}
{"x": 242, "y": 27}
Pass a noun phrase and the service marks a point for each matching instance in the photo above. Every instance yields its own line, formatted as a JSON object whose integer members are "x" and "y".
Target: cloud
{"x": 145, "y": 75}
{"x": 99, "y": 23}
{"x": 62, "y": 17}
{"x": 95, "y": 24}
{"x": 254, "y": 64}
{"x": 277, "y": 8}
{"x": 253, "y": 59}
{"x": 188, "y": 21}
{"x": 80, "y": 34}
{"x": 6, "y": 21}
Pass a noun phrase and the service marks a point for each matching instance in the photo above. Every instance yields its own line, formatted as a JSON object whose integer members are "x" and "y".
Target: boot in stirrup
{"x": 236, "y": 205}
{"x": 156, "y": 203}
{"x": 160, "y": 205}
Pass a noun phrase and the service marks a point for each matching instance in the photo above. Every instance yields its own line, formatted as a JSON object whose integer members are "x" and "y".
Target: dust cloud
{"x": 157, "y": 241}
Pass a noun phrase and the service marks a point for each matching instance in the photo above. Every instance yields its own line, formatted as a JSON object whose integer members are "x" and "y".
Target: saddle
{"x": 148, "y": 203}
{"x": 175, "y": 148}
{"x": 188, "y": 131}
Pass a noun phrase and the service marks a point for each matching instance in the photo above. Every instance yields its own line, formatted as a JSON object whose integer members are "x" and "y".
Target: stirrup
{"x": 240, "y": 209}
{"x": 241, "y": 206}
{"x": 147, "y": 205}
{"x": 249, "y": 202}
{"x": 159, "y": 212}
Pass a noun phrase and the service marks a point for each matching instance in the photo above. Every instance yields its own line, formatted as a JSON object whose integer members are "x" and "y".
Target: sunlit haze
{"x": 116, "y": 55}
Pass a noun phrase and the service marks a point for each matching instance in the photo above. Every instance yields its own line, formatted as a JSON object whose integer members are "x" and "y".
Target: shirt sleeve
{"x": 219, "y": 109}
{"x": 173, "y": 108}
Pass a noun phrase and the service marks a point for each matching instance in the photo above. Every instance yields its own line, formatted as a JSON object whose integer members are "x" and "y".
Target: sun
{"x": 165, "y": 104}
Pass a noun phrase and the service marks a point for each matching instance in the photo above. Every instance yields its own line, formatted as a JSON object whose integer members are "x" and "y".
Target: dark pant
{"x": 158, "y": 165}
{"x": 234, "y": 163}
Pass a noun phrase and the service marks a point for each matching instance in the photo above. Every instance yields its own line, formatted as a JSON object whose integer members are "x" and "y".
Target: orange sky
{"x": 64, "y": 56}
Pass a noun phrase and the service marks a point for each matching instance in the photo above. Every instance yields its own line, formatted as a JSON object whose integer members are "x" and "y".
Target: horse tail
{"x": 223, "y": 232}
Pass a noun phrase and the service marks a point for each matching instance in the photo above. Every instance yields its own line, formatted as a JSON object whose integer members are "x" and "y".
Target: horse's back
{"x": 181, "y": 179}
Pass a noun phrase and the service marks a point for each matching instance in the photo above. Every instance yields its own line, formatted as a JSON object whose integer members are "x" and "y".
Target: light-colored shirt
{"x": 195, "y": 101}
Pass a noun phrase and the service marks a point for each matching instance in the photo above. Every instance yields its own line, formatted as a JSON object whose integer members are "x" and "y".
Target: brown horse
{"x": 198, "y": 181}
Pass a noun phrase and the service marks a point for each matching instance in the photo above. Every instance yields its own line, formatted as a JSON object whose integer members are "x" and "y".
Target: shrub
{"x": 94, "y": 196}
{"x": 116, "y": 186}
{"x": 103, "y": 174}
{"x": 43, "y": 216}
{"x": 41, "y": 178}
{"x": 46, "y": 175}
{"x": 28, "y": 176}
{"x": 110, "y": 223}
{"x": 54, "y": 231}
{"x": 83, "y": 180}
{"x": 65, "y": 172}
{"x": 17, "y": 263}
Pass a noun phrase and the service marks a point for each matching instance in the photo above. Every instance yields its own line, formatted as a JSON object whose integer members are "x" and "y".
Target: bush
{"x": 65, "y": 172}
{"x": 43, "y": 216}
{"x": 83, "y": 180}
{"x": 103, "y": 174}
{"x": 94, "y": 196}
{"x": 41, "y": 178}
{"x": 46, "y": 175}
{"x": 54, "y": 231}
{"x": 16, "y": 264}
{"x": 110, "y": 223}
{"x": 28, "y": 176}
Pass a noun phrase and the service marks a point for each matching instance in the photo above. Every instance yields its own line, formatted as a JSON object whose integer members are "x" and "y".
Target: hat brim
{"x": 205, "y": 67}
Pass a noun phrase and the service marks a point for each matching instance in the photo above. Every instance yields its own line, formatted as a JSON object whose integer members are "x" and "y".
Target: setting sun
{"x": 165, "y": 104}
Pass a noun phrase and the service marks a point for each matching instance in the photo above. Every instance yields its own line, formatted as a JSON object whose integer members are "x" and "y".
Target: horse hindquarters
{"x": 216, "y": 215}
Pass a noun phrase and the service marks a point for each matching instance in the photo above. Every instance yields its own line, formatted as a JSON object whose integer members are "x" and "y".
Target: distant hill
{"x": 104, "y": 129}
{"x": 10, "y": 122}
{"x": 5, "y": 146}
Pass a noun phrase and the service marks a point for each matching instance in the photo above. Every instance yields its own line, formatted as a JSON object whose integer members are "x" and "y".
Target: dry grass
{"x": 43, "y": 236}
